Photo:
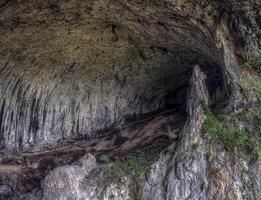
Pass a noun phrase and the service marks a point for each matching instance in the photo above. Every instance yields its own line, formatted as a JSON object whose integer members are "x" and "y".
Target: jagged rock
{"x": 187, "y": 171}
{"x": 181, "y": 173}
{"x": 65, "y": 182}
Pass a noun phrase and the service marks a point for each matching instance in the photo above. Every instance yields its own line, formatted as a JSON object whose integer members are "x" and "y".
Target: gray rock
{"x": 5, "y": 191}
{"x": 76, "y": 182}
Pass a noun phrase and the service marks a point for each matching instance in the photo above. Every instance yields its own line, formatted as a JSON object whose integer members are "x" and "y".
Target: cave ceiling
{"x": 72, "y": 67}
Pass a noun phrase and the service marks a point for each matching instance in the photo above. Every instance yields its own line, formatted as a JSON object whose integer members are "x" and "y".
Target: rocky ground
{"x": 141, "y": 99}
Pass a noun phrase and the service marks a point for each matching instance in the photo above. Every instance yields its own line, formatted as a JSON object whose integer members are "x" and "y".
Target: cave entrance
{"x": 214, "y": 83}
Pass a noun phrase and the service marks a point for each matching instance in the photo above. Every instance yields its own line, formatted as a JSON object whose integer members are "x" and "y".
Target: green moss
{"x": 133, "y": 168}
{"x": 210, "y": 155}
{"x": 88, "y": 177}
{"x": 227, "y": 133}
{"x": 255, "y": 114}
{"x": 195, "y": 146}
{"x": 254, "y": 62}
{"x": 103, "y": 158}
{"x": 224, "y": 132}
{"x": 254, "y": 82}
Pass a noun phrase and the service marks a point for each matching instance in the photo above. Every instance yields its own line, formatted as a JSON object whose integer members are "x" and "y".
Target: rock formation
{"x": 85, "y": 85}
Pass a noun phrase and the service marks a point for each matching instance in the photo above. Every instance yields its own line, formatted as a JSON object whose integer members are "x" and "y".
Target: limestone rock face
{"x": 70, "y": 68}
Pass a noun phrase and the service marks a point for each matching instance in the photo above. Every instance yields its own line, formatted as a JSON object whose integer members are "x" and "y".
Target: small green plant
{"x": 227, "y": 134}
{"x": 258, "y": 33}
{"x": 88, "y": 177}
{"x": 254, "y": 62}
{"x": 255, "y": 113}
{"x": 134, "y": 168}
{"x": 18, "y": 20}
{"x": 195, "y": 146}
{"x": 254, "y": 82}
{"x": 210, "y": 155}
{"x": 103, "y": 158}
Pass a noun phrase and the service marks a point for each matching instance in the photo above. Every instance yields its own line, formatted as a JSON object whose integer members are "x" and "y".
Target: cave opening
{"x": 67, "y": 79}
{"x": 214, "y": 83}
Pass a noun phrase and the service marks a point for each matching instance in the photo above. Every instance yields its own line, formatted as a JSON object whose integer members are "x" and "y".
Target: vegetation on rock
{"x": 258, "y": 33}
{"x": 133, "y": 167}
{"x": 129, "y": 172}
{"x": 254, "y": 62}
{"x": 230, "y": 136}
{"x": 226, "y": 130}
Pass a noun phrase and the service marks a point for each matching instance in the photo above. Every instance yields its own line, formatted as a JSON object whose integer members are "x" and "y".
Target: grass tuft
{"x": 224, "y": 132}
{"x": 254, "y": 82}
{"x": 103, "y": 158}
{"x": 134, "y": 168}
{"x": 254, "y": 62}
